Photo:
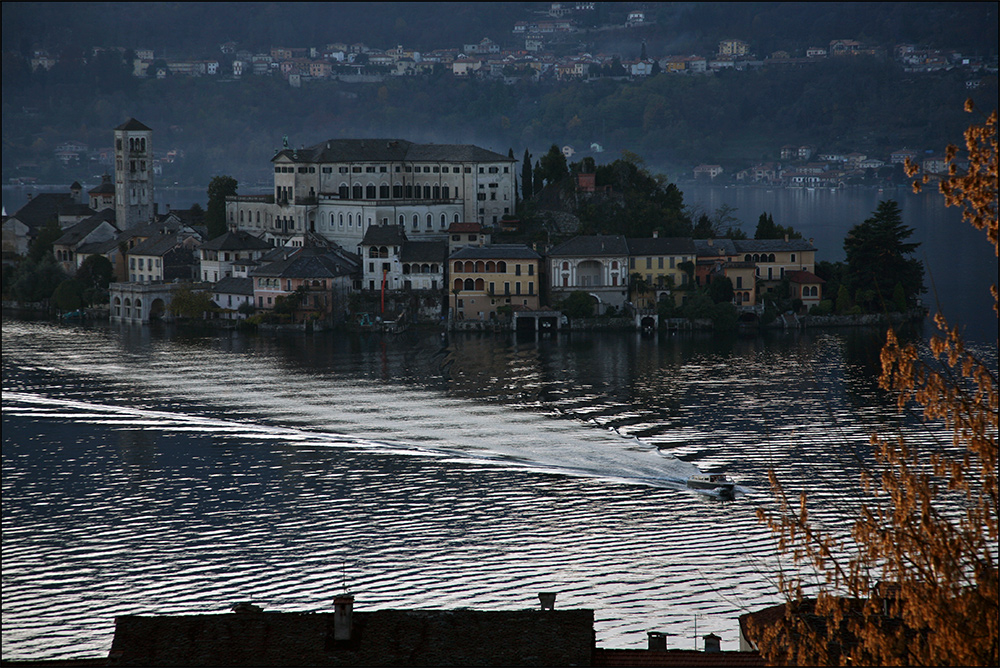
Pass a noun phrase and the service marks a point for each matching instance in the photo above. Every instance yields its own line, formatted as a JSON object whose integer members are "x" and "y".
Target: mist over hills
{"x": 731, "y": 118}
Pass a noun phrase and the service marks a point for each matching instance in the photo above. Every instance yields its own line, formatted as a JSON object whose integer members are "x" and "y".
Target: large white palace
{"x": 340, "y": 188}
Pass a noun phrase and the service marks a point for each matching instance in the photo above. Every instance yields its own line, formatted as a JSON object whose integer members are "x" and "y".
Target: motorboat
{"x": 716, "y": 482}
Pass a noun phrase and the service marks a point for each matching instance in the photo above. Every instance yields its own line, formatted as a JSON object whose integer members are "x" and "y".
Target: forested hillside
{"x": 674, "y": 122}
{"x": 864, "y": 104}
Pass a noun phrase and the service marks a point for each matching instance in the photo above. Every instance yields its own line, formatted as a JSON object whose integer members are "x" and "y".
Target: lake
{"x": 158, "y": 471}
{"x": 151, "y": 470}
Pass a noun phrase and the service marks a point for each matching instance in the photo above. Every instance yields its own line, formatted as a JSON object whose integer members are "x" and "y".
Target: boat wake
{"x": 522, "y": 441}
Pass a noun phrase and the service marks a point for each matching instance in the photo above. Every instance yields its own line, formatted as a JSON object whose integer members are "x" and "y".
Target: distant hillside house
{"x": 708, "y": 172}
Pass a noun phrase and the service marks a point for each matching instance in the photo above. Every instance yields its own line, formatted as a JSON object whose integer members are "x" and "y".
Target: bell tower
{"x": 133, "y": 174}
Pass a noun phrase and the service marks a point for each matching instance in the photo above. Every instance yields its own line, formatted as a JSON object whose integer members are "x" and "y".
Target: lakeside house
{"x": 486, "y": 279}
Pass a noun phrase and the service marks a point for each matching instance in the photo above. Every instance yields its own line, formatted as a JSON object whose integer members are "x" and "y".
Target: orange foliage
{"x": 917, "y": 584}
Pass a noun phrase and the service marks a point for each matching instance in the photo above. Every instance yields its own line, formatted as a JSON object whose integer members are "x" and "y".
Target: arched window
{"x": 427, "y": 192}
{"x": 469, "y": 266}
{"x": 437, "y": 192}
{"x": 566, "y": 266}
{"x": 357, "y": 192}
{"x": 502, "y": 267}
{"x": 458, "y": 267}
{"x": 480, "y": 267}
{"x": 470, "y": 284}
{"x": 491, "y": 266}
{"x": 429, "y": 221}
{"x": 342, "y": 191}
{"x": 456, "y": 218}
{"x": 373, "y": 252}
{"x": 383, "y": 251}
{"x": 748, "y": 258}
{"x": 383, "y": 191}
{"x": 350, "y": 220}
{"x": 443, "y": 223}
{"x": 341, "y": 220}
{"x": 459, "y": 284}
{"x": 445, "y": 192}
{"x": 370, "y": 191}
{"x": 241, "y": 215}
{"x": 480, "y": 284}
{"x": 770, "y": 258}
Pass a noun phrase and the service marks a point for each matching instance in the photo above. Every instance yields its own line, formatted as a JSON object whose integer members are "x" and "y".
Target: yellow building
{"x": 662, "y": 264}
{"x": 485, "y": 278}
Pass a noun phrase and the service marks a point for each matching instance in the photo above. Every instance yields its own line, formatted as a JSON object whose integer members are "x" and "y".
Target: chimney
{"x": 548, "y": 600}
{"x": 656, "y": 234}
{"x": 657, "y": 641}
{"x": 712, "y": 643}
{"x": 343, "y": 616}
{"x": 786, "y": 238}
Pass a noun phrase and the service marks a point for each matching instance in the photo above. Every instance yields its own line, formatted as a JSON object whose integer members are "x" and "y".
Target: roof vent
{"x": 712, "y": 643}
{"x": 343, "y": 616}
{"x": 657, "y": 641}
{"x": 548, "y": 600}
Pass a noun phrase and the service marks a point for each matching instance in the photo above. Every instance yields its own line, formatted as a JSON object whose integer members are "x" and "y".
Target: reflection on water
{"x": 148, "y": 471}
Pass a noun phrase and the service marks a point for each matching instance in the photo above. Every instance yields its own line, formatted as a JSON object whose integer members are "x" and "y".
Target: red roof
{"x": 803, "y": 277}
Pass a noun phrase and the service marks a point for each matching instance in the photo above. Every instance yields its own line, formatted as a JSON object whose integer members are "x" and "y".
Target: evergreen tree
{"x": 526, "y": 190}
{"x": 703, "y": 229}
{"x": 878, "y": 258}
{"x": 219, "y": 188}
{"x": 767, "y": 229}
{"x": 554, "y": 167}
{"x": 721, "y": 289}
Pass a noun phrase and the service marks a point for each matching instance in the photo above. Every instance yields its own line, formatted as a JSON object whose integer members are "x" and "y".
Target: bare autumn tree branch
{"x": 916, "y": 583}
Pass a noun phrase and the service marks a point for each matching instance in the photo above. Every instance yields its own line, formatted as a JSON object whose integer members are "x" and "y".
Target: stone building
{"x": 134, "y": 201}
{"x": 340, "y": 188}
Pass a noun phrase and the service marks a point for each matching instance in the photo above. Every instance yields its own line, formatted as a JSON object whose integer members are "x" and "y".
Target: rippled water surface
{"x": 147, "y": 471}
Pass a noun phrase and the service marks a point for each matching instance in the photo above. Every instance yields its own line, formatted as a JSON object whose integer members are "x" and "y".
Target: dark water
{"x": 155, "y": 471}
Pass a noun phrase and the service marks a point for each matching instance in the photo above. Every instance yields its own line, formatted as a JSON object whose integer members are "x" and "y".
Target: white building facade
{"x": 342, "y": 187}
